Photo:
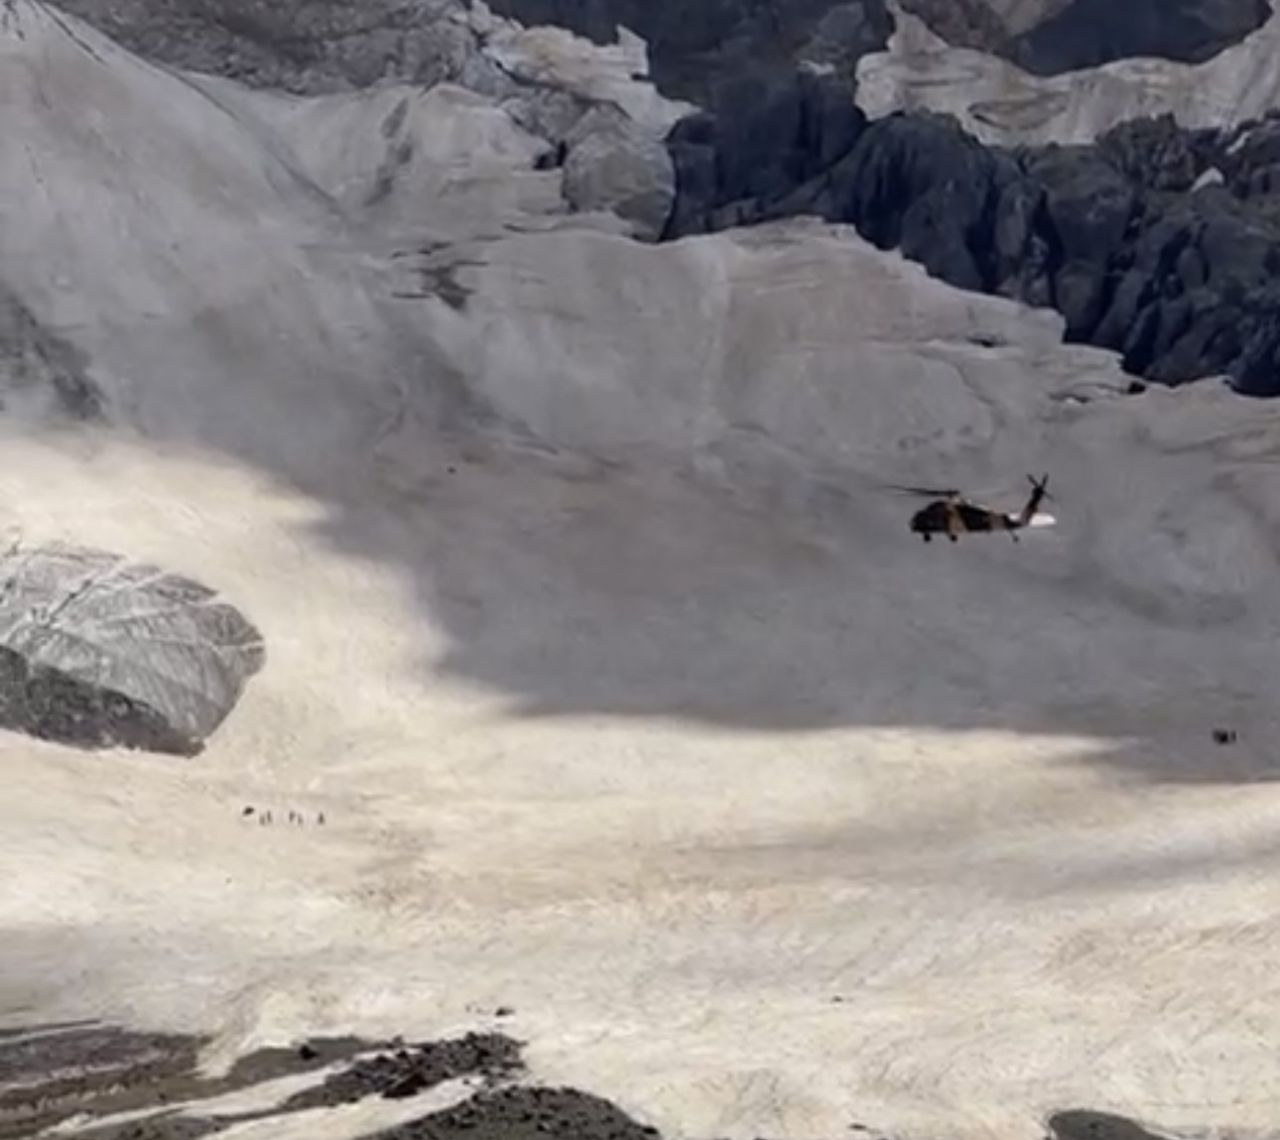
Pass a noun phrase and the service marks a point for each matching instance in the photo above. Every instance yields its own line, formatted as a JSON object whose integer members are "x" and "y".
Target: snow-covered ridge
{"x": 1000, "y": 103}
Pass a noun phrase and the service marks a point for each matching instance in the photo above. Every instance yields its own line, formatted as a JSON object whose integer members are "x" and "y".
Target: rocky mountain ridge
{"x": 1094, "y": 229}
{"x": 1157, "y": 242}
{"x": 312, "y": 46}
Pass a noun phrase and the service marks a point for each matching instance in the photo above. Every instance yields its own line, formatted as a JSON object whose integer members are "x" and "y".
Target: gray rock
{"x": 97, "y": 652}
{"x": 964, "y": 23}
{"x": 1091, "y": 32}
{"x": 612, "y": 163}
{"x": 1088, "y": 206}
{"x": 1099, "y": 232}
{"x": 919, "y": 184}
{"x": 695, "y": 49}
{"x": 844, "y": 35}
{"x": 1088, "y": 202}
{"x": 1084, "y": 1124}
{"x": 1124, "y": 238}
{"x": 1158, "y": 154}
{"x": 1061, "y": 37}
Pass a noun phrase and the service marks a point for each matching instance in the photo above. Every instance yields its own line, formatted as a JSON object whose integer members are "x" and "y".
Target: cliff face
{"x": 1049, "y": 37}
{"x": 693, "y": 45}
{"x": 1157, "y": 242}
{"x": 304, "y": 46}
{"x": 317, "y": 45}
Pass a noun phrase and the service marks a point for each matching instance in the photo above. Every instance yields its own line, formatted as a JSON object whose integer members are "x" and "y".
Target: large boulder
{"x": 99, "y": 652}
{"x": 613, "y": 163}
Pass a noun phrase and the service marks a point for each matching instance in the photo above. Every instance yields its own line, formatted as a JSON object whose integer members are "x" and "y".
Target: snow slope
{"x": 598, "y": 636}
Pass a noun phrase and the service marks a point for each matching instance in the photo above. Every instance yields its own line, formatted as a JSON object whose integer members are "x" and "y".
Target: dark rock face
{"x": 1181, "y": 278}
{"x": 406, "y": 1071}
{"x": 1186, "y": 287}
{"x": 759, "y": 142}
{"x": 1091, "y": 32}
{"x": 525, "y": 1114}
{"x": 1087, "y": 209}
{"x": 1086, "y": 33}
{"x": 96, "y": 652}
{"x": 49, "y": 1074}
{"x": 50, "y": 705}
{"x": 963, "y": 23}
{"x": 695, "y": 49}
{"x": 52, "y": 1073}
{"x": 919, "y": 184}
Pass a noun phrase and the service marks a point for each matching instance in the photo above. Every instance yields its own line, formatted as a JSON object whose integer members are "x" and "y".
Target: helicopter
{"x": 953, "y": 515}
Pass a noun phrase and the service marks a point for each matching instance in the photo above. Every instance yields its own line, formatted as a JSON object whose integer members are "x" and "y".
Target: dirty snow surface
{"x": 595, "y": 632}
{"x": 1002, "y": 104}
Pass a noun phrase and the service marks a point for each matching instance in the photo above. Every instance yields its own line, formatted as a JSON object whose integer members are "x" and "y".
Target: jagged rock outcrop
{"x": 1087, "y": 33}
{"x": 1122, "y": 238}
{"x": 612, "y": 163}
{"x": 304, "y": 46}
{"x": 695, "y": 49}
{"x": 98, "y": 652}
{"x": 970, "y": 23}
{"x": 1049, "y": 37}
{"x": 761, "y": 139}
{"x": 1085, "y": 229}
{"x": 692, "y": 564}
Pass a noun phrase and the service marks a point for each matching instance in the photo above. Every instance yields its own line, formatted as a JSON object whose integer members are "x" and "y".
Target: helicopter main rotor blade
{"x": 935, "y": 492}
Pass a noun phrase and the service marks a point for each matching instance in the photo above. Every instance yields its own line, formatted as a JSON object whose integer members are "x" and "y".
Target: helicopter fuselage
{"x": 953, "y": 516}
